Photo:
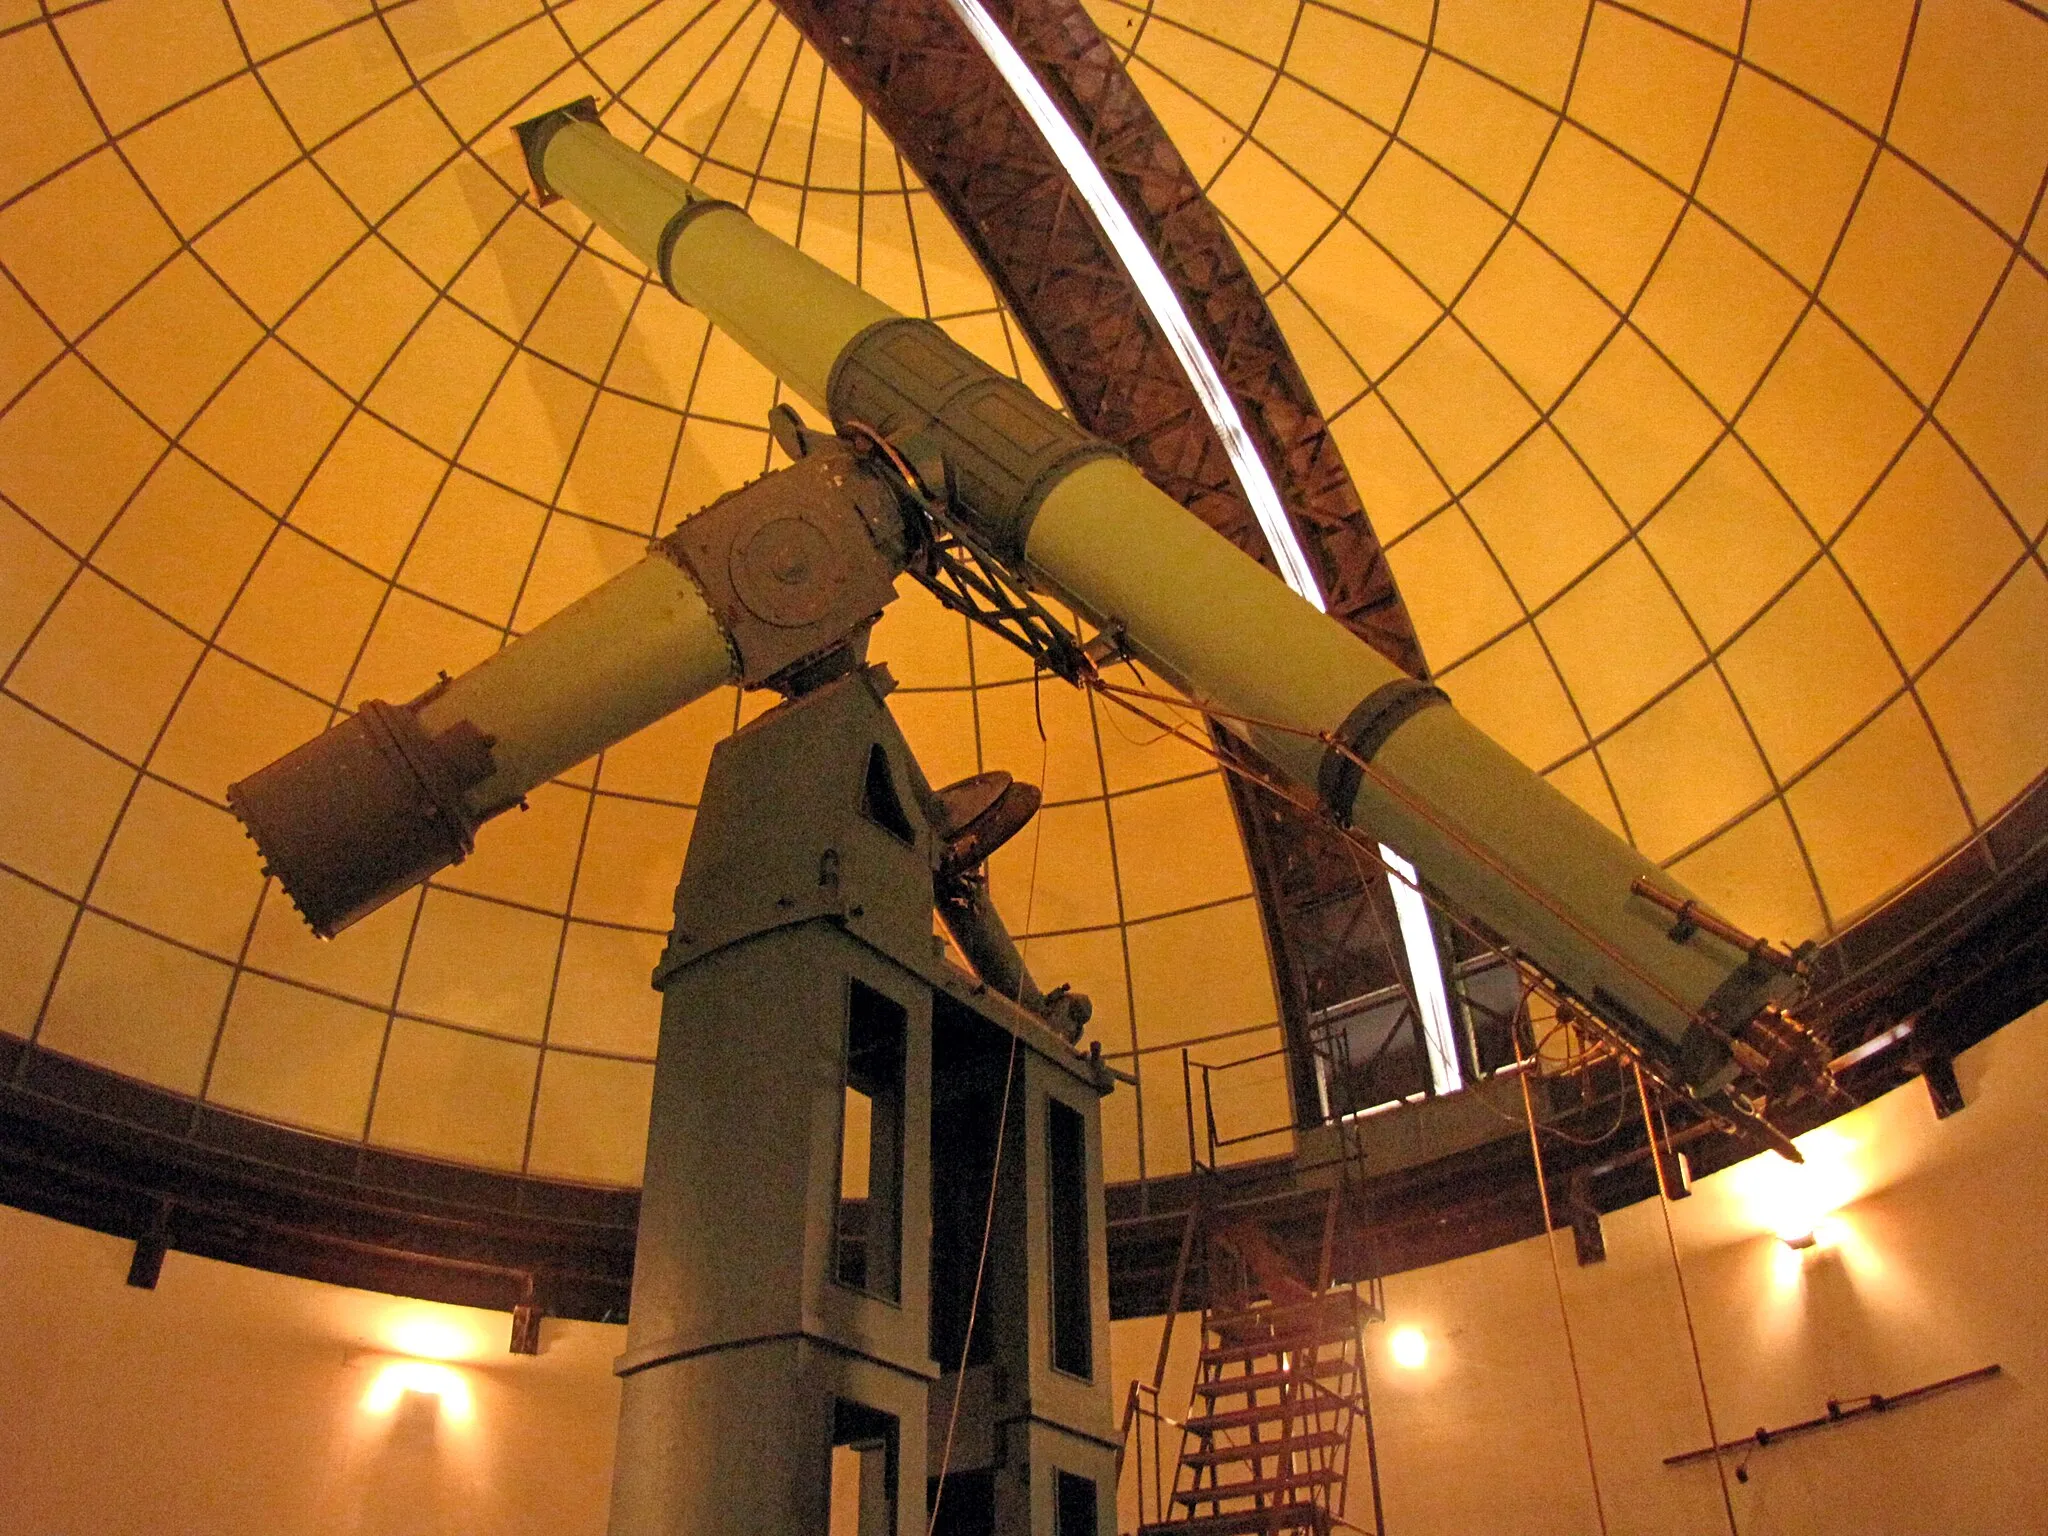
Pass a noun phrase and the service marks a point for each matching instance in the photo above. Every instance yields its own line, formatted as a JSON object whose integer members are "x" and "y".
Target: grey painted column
{"x": 798, "y": 1265}
{"x": 771, "y": 1318}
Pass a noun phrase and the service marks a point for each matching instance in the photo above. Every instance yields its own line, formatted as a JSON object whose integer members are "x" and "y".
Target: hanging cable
{"x": 995, "y": 1177}
{"x": 1123, "y": 696}
{"x": 1699, "y": 1368}
{"x": 988, "y": 1226}
{"x": 1733, "y": 1117}
{"x": 1563, "y": 1316}
{"x": 1428, "y": 813}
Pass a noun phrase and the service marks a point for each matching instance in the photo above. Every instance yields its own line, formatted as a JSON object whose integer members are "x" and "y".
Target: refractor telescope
{"x": 942, "y": 468}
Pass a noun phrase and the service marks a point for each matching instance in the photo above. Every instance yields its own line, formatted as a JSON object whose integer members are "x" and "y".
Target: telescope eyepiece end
{"x": 368, "y": 809}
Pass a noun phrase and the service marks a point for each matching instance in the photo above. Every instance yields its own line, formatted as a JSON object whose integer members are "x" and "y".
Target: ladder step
{"x": 1245, "y": 1522}
{"x": 1259, "y": 1381}
{"x": 1264, "y": 1450}
{"x": 1293, "y": 1482}
{"x": 1331, "y": 1309}
{"x": 1262, "y": 1413}
{"x": 1280, "y": 1344}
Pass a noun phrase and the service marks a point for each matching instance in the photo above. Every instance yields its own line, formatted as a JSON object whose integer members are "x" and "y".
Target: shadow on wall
{"x": 412, "y": 1460}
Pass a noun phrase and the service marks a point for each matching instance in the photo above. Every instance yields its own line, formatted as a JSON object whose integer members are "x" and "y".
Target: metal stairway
{"x": 1266, "y": 1445}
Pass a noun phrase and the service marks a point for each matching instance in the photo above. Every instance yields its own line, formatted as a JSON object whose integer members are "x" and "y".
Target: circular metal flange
{"x": 981, "y": 814}
{"x": 788, "y": 570}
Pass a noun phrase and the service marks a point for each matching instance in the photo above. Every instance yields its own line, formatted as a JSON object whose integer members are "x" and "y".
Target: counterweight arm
{"x": 764, "y": 587}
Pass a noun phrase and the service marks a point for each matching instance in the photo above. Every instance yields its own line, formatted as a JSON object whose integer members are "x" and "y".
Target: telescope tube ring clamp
{"x": 1365, "y": 730}
{"x": 672, "y": 231}
{"x": 1004, "y": 448}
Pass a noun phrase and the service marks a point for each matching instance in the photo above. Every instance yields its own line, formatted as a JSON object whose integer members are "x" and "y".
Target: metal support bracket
{"x": 1589, "y": 1242}
{"x": 1939, "y": 1072}
{"x": 954, "y": 564}
{"x": 534, "y": 134}
{"x": 526, "y": 1320}
{"x": 147, "y": 1266}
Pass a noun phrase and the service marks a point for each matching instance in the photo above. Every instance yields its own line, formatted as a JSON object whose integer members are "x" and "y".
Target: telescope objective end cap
{"x": 533, "y": 136}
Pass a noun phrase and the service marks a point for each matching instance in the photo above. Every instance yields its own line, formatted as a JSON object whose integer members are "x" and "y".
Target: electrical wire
{"x": 1563, "y": 1316}
{"x": 1699, "y": 1368}
{"x": 988, "y": 1227}
{"x": 1480, "y": 855}
{"x": 995, "y": 1178}
{"x": 1732, "y": 1115}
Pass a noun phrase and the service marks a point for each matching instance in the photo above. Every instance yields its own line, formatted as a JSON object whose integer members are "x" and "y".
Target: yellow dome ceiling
{"x": 1690, "y": 367}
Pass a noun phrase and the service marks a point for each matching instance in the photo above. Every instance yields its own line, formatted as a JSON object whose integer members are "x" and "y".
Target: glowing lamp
{"x": 1796, "y": 1201}
{"x": 446, "y": 1386}
{"x": 431, "y": 1337}
{"x": 1409, "y": 1348}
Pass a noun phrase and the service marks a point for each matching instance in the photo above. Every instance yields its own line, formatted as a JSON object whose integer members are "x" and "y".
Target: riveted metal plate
{"x": 788, "y": 563}
{"x": 788, "y": 569}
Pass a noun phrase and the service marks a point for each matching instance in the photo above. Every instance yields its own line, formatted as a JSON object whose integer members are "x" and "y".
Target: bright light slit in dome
{"x": 1418, "y": 940}
{"x": 1156, "y": 291}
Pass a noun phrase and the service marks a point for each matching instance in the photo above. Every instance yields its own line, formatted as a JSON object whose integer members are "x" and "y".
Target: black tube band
{"x": 1364, "y": 731}
{"x": 672, "y": 231}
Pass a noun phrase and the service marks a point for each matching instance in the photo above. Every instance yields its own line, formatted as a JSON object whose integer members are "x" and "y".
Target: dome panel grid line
{"x": 202, "y": 581}
{"x": 490, "y": 911}
{"x": 1778, "y": 781}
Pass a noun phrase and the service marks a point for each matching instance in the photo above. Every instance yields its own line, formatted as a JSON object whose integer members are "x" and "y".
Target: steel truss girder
{"x": 921, "y": 76}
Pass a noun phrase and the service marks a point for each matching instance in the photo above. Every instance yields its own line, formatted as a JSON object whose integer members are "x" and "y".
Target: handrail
{"x": 1217, "y": 1142}
{"x": 1136, "y": 1411}
{"x": 1123, "y": 1437}
{"x": 1303, "y": 1384}
{"x": 1133, "y": 1409}
{"x": 1180, "y": 1274}
{"x": 1245, "y": 1061}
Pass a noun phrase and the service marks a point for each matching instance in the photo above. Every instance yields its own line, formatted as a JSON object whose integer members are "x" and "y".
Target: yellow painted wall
{"x": 232, "y": 1401}
{"x": 1930, "y": 1264}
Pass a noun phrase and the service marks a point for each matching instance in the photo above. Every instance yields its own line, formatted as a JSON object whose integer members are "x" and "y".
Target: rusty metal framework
{"x": 915, "y": 69}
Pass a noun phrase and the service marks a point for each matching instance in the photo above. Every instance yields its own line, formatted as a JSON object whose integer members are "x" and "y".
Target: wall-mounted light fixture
{"x": 444, "y": 1384}
{"x": 435, "y": 1335}
{"x": 1409, "y": 1348}
{"x": 1794, "y": 1200}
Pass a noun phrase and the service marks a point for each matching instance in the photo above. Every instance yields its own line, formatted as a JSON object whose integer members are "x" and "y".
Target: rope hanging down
{"x": 1699, "y": 1369}
{"x": 988, "y": 1221}
{"x": 1563, "y": 1316}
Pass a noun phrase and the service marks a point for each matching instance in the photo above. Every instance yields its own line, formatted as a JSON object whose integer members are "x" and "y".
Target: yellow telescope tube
{"x": 1379, "y": 749}
{"x": 765, "y": 585}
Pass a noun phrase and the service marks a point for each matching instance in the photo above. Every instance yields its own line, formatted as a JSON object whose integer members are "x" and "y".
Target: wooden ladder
{"x": 1266, "y": 1445}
